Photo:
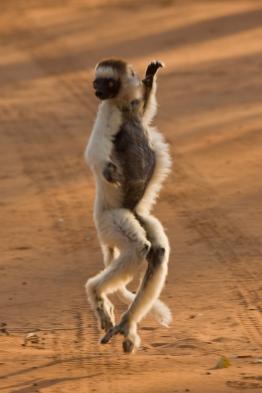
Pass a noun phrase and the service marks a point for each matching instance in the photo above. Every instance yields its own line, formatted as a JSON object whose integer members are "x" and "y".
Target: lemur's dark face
{"x": 106, "y": 88}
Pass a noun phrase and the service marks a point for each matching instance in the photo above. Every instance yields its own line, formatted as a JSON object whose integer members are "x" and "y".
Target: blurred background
{"x": 209, "y": 96}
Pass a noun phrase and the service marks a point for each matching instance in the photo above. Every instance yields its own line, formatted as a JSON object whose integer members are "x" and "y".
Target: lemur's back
{"x": 132, "y": 152}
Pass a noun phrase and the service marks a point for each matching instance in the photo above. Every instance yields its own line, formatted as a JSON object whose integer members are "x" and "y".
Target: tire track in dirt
{"x": 45, "y": 169}
{"x": 60, "y": 205}
{"x": 229, "y": 245}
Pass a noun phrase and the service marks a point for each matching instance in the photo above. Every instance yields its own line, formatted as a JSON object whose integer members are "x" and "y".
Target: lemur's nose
{"x": 99, "y": 93}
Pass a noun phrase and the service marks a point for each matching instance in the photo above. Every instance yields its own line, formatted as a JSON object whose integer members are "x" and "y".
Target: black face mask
{"x": 106, "y": 87}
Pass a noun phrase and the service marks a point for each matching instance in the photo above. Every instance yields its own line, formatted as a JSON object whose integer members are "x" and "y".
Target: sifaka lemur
{"x": 130, "y": 161}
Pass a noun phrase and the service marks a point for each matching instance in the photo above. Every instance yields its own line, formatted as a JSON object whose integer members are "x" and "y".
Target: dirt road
{"x": 210, "y": 98}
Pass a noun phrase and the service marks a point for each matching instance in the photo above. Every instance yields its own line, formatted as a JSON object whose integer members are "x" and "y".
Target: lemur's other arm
{"x": 148, "y": 81}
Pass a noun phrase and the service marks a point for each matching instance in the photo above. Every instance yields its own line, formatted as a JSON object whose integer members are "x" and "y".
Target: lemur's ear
{"x": 153, "y": 67}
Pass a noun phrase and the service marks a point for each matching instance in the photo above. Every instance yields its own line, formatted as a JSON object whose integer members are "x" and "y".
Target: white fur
{"x": 151, "y": 106}
{"x": 97, "y": 154}
{"x": 118, "y": 229}
{"x": 162, "y": 169}
{"x": 105, "y": 72}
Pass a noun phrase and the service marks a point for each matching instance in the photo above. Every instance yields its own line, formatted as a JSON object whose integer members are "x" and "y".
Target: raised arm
{"x": 149, "y": 83}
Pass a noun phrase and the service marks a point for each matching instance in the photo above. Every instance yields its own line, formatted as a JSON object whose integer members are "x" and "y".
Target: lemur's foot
{"x": 121, "y": 328}
{"x": 131, "y": 341}
{"x": 105, "y": 312}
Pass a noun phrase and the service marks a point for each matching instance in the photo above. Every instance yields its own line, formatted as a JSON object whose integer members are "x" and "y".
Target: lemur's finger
{"x": 153, "y": 67}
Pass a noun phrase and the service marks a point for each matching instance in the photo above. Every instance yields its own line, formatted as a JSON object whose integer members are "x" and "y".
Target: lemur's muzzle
{"x": 101, "y": 88}
{"x": 106, "y": 88}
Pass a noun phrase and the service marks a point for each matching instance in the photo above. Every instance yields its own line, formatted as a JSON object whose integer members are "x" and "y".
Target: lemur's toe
{"x": 128, "y": 345}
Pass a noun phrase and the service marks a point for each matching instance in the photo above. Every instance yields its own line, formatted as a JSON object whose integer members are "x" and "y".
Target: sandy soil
{"x": 210, "y": 98}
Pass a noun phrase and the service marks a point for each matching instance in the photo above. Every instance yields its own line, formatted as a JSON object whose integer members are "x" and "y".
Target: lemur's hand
{"x": 153, "y": 67}
{"x": 151, "y": 70}
{"x": 111, "y": 174}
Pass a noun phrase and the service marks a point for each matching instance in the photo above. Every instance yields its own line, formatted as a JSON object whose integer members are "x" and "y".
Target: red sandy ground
{"x": 210, "y": 110}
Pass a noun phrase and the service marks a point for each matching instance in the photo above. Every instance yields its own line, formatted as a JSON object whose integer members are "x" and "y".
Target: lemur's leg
{"x": 149, "y": 83}
{"x": 109, "y": 255}
{"x": 118, "y": 228}
{"x": 150, "y": 287}
{"x": 159, "y": 309}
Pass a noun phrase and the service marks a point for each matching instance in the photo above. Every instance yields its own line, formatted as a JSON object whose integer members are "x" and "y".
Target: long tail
{"x": 160, "y": 310}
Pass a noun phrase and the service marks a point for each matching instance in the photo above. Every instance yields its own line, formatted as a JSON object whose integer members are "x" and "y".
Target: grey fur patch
{"x": 135, "y": 158}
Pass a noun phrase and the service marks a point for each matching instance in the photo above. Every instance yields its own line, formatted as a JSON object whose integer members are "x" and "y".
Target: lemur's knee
{"x": 91, "y": 288}
{"x": 156, "y": 256}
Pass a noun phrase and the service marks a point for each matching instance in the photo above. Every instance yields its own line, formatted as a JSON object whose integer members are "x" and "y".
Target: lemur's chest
{"x": 131, "y": 149}
{"x": 132, "y": 152}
